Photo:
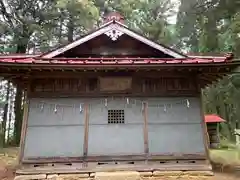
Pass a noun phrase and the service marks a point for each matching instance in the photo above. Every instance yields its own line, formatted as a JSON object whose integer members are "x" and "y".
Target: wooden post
{"x": 24, "y": 130}
{"x": 145, "y": 129}
{"x": 204, "y": 129}
{"x": 86, "y": 130}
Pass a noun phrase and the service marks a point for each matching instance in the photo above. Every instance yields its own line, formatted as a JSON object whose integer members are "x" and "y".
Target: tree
{"x": 214, "y": 27}
{"x": 21, "y": 19}
{"x": 78, "y": 16}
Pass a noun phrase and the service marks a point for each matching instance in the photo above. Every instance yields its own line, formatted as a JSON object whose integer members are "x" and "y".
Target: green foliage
{"x": 84, "y": 12}
{"x": 149, "y": 18}
{"x": 213, "y": 27}
{"x": 209, "y": 26}
{"x": 222, "y": 99}
{"x": 226, "y": 144}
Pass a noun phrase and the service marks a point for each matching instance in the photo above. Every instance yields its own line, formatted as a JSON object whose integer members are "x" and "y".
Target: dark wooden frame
{"x": 145, "y": 129}
{"x": 86, "y": 130}
{"x": 204, "y": 130}
{"x": 102, "y": 158}
{"x": 24, "y": 127}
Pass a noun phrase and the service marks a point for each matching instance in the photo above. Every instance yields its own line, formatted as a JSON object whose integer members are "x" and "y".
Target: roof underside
{"x": 106, "y": 47}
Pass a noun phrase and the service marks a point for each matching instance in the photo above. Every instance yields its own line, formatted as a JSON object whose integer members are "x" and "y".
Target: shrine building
{"x": 113, "y": 99}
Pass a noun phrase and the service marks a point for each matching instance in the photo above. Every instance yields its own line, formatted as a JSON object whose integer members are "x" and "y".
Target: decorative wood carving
{"x": 115, "y": 83}
{"x": 114, "y": 34}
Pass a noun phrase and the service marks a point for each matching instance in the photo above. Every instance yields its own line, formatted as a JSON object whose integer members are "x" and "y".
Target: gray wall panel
{"x": 174, "y": 110}
{"x": 174, "y": 129}
{"x": 54, "y": 141}
{"x": 99, "y": 110}
{"x": 165, "y": 138}
{"x": 175, "y": 126}
{"x": 41, "y": 112}
{"x": 115, "y": 139}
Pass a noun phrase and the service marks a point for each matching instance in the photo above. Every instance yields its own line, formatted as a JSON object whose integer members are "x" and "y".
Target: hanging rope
{"x": 107, "y": 101}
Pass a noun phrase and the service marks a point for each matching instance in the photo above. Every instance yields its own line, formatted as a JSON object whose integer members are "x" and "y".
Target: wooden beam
{"x": 104, "y": 158}
{"x": 145, "y": 129}
{"x": 94, "y": 167}
{"x": 204, "y": 129}
{"x": 54, "y": 74}
{"x": 86, "y": 130}
{"x": 24, "y": 129}
{"x": 101, "y": 95}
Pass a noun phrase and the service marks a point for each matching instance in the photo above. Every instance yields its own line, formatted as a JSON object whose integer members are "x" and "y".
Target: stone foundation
{"x": 119, "y": 175}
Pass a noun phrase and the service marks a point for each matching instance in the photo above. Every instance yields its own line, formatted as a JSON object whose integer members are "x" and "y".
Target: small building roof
{"x": 213, "y": 118}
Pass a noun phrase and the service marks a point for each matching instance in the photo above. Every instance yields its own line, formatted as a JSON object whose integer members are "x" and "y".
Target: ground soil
{"x": 6, "y": 173}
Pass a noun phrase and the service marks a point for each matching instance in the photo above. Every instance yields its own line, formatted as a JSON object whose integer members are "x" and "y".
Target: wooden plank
{"x": 86, "y": 130}
{"x": 176, "y": 93}
{"x": 24, "y": 130}
{"x": 105, "y": 168}
{"x": 114, "y": 84}
{"x": 136, "y": 157}
{"x": 76, "y": 74}
{"x": 145, "y": 129}
{"x": 204, "y": 130}
{"x": 118, "y": 83}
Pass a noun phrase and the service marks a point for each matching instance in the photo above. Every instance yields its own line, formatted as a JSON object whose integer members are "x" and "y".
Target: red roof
{"x": 112, "y": 61}
{"x": 212, "y": 118}
{"x": 109, "y": 29}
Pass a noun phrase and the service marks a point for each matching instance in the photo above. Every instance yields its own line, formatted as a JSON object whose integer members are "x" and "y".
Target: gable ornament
{"x": 114, "y": 34}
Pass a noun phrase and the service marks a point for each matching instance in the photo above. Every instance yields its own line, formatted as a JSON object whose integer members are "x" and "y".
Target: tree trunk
{"x": 60, "y": 27}
{"x": 10, "y": 114}
{"x": 18, "y": 115}
{"x": 70, "y": 27}
{"x": 22, "y": 44}
{"x": 5, "y": 115}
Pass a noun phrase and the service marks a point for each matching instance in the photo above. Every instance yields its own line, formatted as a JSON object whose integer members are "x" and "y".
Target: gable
{"x": 103, "y": 46}
{"x": 115, "y": 32}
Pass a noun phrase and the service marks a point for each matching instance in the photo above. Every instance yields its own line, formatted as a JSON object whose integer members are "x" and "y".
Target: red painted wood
{"x": 114, "y": 60}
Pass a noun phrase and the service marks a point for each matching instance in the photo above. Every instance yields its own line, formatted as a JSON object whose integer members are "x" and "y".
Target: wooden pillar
{"x": 86, "y": 130}
{"x": 204, "y": 129}
{"x": 24, "y": 129}
{"x": 145, "y": 129}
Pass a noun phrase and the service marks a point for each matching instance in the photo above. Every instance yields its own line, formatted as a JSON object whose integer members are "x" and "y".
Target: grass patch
{"x": 225, "y": 156}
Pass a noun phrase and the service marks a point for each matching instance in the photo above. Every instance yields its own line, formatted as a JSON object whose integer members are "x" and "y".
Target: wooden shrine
{"x": 113, "y": 99}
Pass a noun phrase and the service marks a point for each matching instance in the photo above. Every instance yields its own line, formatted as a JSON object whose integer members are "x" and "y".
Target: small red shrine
{"x": 212, "y": 121}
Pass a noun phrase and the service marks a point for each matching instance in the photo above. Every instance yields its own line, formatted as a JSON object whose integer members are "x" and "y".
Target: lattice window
{"x": 116, "y": 117}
